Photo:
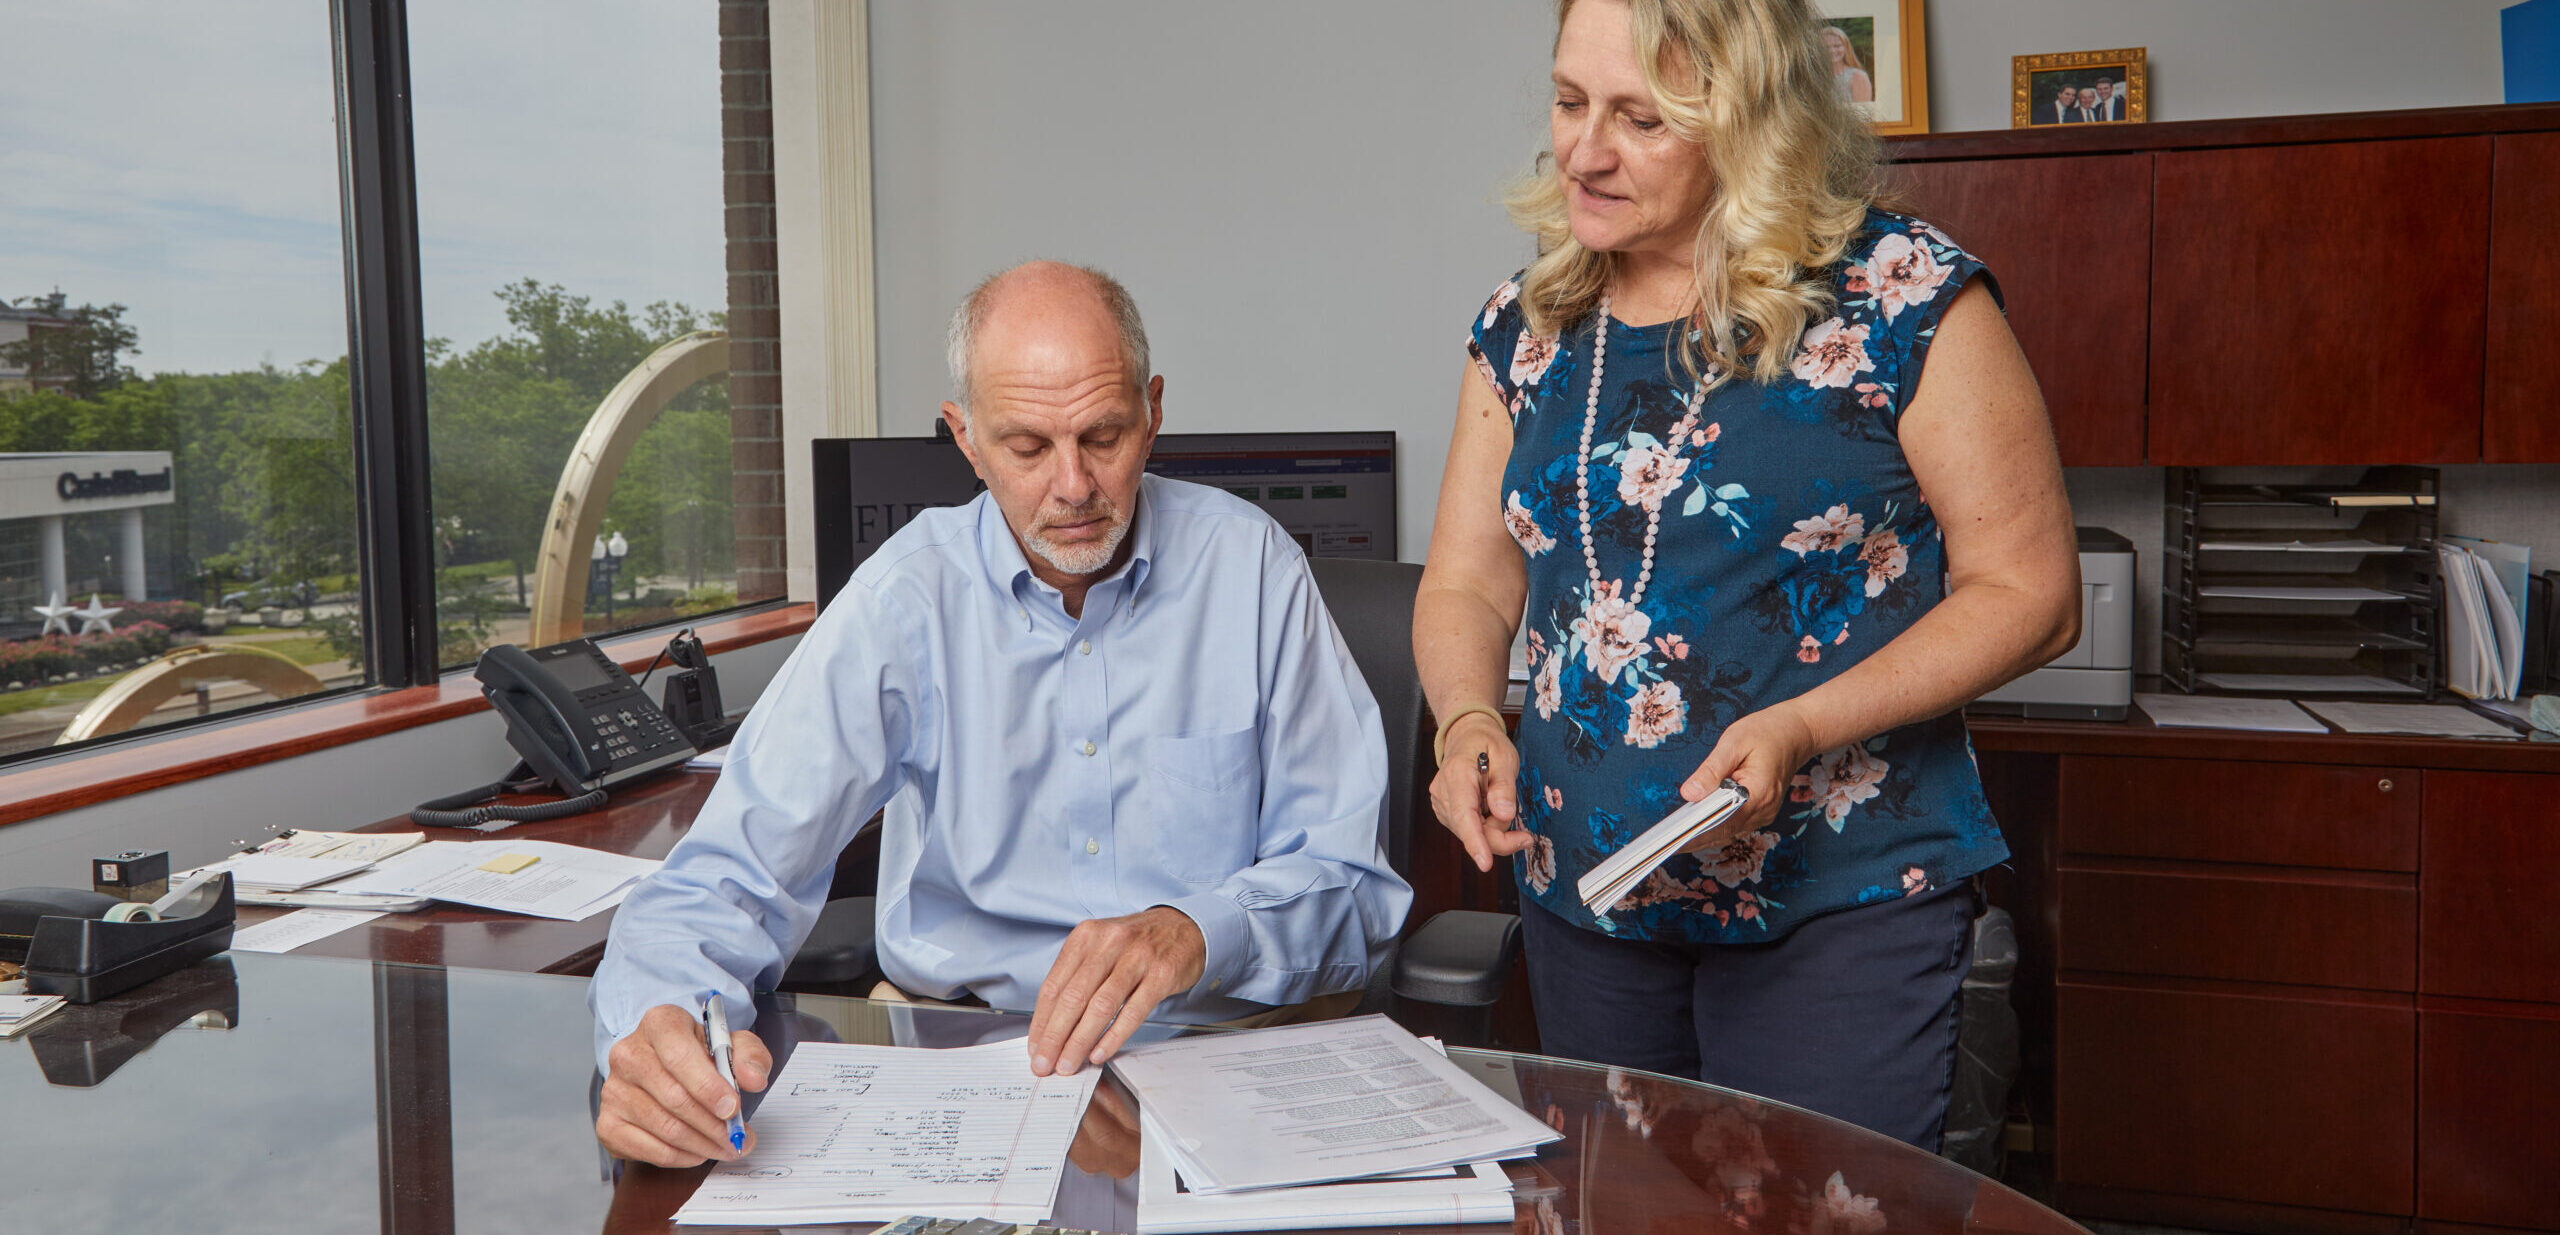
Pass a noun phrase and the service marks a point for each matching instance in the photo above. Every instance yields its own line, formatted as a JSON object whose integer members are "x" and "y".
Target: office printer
{"x": 2094, "y": 680}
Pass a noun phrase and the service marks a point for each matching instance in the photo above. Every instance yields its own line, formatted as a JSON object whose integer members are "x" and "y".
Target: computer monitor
{"x": 1334, "y": 493}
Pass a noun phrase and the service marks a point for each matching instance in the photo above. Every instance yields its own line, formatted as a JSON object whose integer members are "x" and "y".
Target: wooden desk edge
{"x": 194, "y": 753}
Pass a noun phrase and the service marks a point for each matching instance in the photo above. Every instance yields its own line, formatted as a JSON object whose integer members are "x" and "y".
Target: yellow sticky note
{"x": 508, "y": 864}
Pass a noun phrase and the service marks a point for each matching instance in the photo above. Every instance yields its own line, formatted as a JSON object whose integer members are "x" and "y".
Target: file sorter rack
{"x": 2370, "y": 544}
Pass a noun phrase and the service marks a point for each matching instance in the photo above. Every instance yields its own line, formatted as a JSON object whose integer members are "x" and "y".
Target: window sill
{"x": 195, "y": 753}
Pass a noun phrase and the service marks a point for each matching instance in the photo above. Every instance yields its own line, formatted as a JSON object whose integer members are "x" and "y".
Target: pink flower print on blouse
{"x": 1541, "y": 867}
{"x": 1841, "y": 779}
{"x": 1530, "y": 359}
{"x": 1843, "y": 1212}
{"x": 1502, "y": 296}
{"x": 1612, "y": 633}
{"x": 1915, "y": 881}
{"x": 1834, "y": 354}
{"x": 1555, "y": 798}
{"x": 1672, "y": 646}
{"x": 1903, "y": 274}
{"x": 1739, "y": 861}
{"x": 1886, "y": 558}
{"x": 1648, "y": 474}
{"x": 1550, "y": 696}
{"x": 1825, "y": 532}
{"x": 1655, "y": 713}
{"x": 1809, "y": 650}
{"x": 1524, "y": 527}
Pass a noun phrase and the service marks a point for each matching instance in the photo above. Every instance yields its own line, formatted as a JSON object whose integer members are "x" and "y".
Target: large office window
{"x": 571, "y": 238}
{"x": 340, "y": 342}
{"x": 176, "y": 463}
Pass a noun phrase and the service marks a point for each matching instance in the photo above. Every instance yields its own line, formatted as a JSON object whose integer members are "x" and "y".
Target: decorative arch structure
{"x": 140, "y": 693}
{"x": 586, "y": 480}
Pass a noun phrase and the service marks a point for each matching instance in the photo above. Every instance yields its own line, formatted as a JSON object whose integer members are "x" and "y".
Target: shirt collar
{"x": 1009, "y": 572}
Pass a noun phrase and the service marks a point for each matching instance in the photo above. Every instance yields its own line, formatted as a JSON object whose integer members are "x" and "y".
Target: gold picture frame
{"x": 2036, "y": 84}
{"x": 1888, "y": 42}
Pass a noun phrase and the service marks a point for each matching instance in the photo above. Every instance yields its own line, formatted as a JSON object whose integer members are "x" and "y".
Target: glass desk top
{"x": 259, "y": 1093}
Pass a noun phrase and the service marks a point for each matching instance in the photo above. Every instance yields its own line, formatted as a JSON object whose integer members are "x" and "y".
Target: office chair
{"x": 838, "y": 957}
{"x": 1461, "y": 957}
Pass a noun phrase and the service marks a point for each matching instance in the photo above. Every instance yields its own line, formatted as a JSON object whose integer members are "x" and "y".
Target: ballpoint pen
{"x": 715, "y": 1028}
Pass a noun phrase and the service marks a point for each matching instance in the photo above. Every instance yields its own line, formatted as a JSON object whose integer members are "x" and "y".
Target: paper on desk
{"x": 1306, "y": 1104}
{"x": 343, "y": 846}
{"x": 868, "y": 1133}
{"x": 295, "y": 929}
{"x": 2308, "y": 683}
{"x": 2439, "y": 720}
{"x": 276, "y": 871}
{"x": 570, "y": 883}
{"x": 713, "y": 759}
{"x": 2219, "y": 712}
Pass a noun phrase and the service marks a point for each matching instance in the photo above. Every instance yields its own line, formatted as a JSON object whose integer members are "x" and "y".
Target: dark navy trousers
{"x": 1853, "y": 1014}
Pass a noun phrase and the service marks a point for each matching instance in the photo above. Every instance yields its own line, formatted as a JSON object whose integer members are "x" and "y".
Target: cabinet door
{"x": 2487, "y": 1088}
{"x": 2070, "y": 242}
{"x": 2485, "y": 925}
{"x": 2241, "y": 1097}
{"x": 2319, "y": 303}
{"x": 2517, "y": 424}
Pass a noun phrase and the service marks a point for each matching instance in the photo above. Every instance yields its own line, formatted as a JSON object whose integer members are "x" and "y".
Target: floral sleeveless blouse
{"x": 1790, "y": 541}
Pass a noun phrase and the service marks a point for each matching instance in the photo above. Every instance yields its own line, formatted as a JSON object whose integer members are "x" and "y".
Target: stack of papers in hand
{"x": 868, "y": 1133}
{"x": 1298, "y": 1105}
{"x": 1611, "y": 880}
{"x": 19, "y": 1013}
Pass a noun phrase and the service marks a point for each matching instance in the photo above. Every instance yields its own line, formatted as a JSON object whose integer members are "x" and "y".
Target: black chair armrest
{"x": 1459, "y": 958}
{"x": 839, "y": 947}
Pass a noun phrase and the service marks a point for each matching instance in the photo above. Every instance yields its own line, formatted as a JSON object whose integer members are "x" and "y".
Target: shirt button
{"x": 1084, "y": 647}
{"x": 1087, "y": 748}
{"x": 1215, "y": 983}
{"x": 1092, "y": 846}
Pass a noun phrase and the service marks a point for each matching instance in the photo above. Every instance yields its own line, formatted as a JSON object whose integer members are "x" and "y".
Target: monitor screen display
{"x": 1334, "y": 493}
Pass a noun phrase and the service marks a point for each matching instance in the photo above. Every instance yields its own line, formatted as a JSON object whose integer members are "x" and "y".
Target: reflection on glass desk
{"x": 313, "y": 1094}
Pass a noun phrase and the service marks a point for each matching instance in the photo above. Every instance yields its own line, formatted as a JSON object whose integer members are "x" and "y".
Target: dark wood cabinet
{"x": 2069, "y": 240}
{"x": 2236, "y": 1096}
{"x": 2518, "y": 424}
{"x": 2485, "y": 925}
{"x": 2319, "y": 304}
{"x": 2489, "y": 1116}
{"x": 2260, "y": 812}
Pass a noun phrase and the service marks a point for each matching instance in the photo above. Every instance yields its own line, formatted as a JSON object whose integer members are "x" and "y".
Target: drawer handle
{"x": 2385, "y": 786}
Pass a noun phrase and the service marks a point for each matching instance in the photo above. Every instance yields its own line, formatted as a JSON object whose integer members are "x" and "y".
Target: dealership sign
{"x": 123, "y": 482}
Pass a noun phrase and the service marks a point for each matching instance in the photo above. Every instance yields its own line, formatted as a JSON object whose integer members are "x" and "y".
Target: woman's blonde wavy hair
{"x": 1795, "y": 168}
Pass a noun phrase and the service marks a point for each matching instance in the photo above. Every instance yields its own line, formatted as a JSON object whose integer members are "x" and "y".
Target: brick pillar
{"x": 755, "y": 315}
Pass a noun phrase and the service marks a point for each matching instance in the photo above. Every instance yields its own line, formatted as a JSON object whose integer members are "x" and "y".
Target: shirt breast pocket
{"x": 1205, "y": 805}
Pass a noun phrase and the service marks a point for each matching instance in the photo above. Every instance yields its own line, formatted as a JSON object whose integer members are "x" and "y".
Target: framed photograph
{"x": 1880, "y": 60}
{"x": 2078, "y": 87}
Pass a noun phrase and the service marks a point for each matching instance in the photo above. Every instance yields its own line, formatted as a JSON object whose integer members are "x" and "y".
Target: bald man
{"x": 1128, "y": 766}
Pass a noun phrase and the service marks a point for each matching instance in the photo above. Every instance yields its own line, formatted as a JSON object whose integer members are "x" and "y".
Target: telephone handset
{"x": 581, "y": 724}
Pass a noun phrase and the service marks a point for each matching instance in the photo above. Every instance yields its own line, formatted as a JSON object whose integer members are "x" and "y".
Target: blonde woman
{"x": 1846, "y": 73}
{"x": 1763, "y": 472}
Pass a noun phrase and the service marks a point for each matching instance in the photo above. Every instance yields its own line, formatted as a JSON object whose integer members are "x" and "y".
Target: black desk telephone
{"x": 581, "y": 724}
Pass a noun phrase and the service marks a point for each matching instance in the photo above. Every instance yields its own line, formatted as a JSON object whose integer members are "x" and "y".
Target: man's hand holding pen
{"x": 664, "y": 1100}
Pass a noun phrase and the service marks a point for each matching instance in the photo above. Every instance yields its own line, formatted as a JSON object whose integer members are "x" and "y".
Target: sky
{"x": 181, "y": 160}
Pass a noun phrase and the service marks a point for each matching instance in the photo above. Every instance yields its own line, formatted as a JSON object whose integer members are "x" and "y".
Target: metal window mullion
{"x": 386, "y": 339}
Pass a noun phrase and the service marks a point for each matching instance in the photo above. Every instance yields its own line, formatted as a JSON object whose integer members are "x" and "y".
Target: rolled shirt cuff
{"x": 1223, "y": 929}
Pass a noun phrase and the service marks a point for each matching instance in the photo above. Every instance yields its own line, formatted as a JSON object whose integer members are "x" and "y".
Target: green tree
{"x": 87, "y": 355}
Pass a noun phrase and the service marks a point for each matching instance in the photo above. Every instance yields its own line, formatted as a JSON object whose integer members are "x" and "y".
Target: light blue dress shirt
{"x": 1200, "y": 738}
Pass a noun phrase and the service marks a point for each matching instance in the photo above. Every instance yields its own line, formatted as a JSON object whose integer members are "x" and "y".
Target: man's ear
{"x": 1155, "y": 406}
{"x": 959, "y": 426}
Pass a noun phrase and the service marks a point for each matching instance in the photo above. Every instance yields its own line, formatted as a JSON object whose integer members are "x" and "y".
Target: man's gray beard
{"x": 1078, "y": 560}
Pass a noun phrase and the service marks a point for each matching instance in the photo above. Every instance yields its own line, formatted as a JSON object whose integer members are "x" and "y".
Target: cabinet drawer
{"x": 2487, "y": 1085}
{"x": 2211, "y": 810}
{"x": 2238, "y": 1097}
{"x": 2355, "y": 931}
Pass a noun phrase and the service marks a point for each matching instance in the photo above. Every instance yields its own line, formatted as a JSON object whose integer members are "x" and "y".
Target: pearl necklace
{"x": 1582, "y": 468}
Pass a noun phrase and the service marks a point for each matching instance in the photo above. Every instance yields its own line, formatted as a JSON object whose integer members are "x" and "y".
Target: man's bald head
{"x": 1043, "y": 303}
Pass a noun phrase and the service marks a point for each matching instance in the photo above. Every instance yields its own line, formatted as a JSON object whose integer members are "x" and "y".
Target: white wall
{"x": 1303, "y": 196}
{"x": 2214, "y": 59}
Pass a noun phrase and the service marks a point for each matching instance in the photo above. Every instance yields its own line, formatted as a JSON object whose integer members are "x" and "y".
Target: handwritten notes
{"x": 865, "y": 1133}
